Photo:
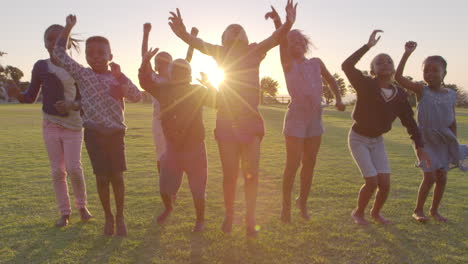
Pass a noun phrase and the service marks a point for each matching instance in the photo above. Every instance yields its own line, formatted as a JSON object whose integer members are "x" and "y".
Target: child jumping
{"x": 303, "y": 121}
{"x": 103, "y": 92}
{"x": 438, "y": 125}
{"x": 161, "y": 74}
{"x": 61, "y": 127}
{"x": 378, "y": 104}
{"x": 239, "y": 125}
{"x": 182, "y": 122}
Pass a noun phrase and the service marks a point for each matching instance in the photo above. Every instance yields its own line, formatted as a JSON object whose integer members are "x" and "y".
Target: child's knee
{"x": 58, "y": 174}
{"x": 75, "y": 171}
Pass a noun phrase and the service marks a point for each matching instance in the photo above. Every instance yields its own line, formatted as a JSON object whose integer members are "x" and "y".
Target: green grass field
{"x": 28, "y": 210}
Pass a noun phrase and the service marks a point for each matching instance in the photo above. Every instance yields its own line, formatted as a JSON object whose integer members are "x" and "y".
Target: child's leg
{"x": 55, "y": 151}
{"x": 360, "y": 150}
{"x": 229, "y": 154}
{"x": 440, "y": 183}
{"x": 365, "y": 194}
{"x": 311, "y": 148}
{"x": 170, "y": 180}
{"x": 72, "y": 143}
{"x": 424, "y": 188}
{"x": 102, "y": 184}
{"x": 196, "y": 168}
{"x": 250, "y": 157}
{"x": 294, "y": 148}
{"x": 383, "y": 183}
{"x": 118, "y": 186}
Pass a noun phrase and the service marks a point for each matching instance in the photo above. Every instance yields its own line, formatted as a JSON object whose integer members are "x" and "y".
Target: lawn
{"x": 28, "y": 210}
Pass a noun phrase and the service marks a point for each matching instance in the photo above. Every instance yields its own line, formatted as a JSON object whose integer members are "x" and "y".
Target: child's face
{"x": 98, "y": 56}
{"x": 235, "y": 35}
{"x": 434, "y": 72}
{"x": 180, "y": 71}
{"x": 162, "y": 62}
{"x": 50, "y": 38}
{"x": 297, "y": 45}
{"x": 382, "y": 66}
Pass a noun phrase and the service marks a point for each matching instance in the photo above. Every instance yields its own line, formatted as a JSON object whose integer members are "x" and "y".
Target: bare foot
{"x": 380, "y": 219}
{"x": 199, "y": 226}
{"x": 303, "y": 207}
{"x": 359, "y": 219}
{"x": 121, "y": 226}
{"x": 226, "y": 227}
{"x": 85, "y": 215}
{"x": 109, "y": 226}
{"x": 63, "y": 221}
{"x": 286, "y": 216}
{"x": 163, "y": 216}
{"x": 438, "y": 217}
{"x": 420, "y": 217}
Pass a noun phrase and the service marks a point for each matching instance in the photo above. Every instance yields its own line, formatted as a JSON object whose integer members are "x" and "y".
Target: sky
{"x": 337, "y": 29}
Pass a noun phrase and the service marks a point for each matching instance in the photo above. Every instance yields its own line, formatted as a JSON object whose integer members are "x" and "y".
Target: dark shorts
{"x": 106, "y": 151}
{"x": 175, "y": 162}
{"x": 241, "y": 131}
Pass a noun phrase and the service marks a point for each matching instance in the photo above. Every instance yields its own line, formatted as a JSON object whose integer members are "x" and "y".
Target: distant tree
{"x": 268, "y": 86}
{"x": 462, "y": 95}
{"x": 14, "y": 73}
{"x": 328, "y": 94}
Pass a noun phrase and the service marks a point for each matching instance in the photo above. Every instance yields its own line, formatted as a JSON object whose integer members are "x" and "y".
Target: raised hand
{"x": 177, "y": 24}
{"x": 115, "y": 69}
{"x": 204, "y": 79}
{"x": 147, "y": 27}
{"x": 410, "y": 46}
{"x": 291, "y": 12}
{"x": 272, "y": 14}
{"x": 373, "y": 38}
{"x": 70, "y": 21}
{"x": 149, "y": 54}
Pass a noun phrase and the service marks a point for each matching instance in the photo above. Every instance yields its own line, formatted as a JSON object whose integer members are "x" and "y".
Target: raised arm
{"x": 282, "y": 31}
{"x": 177, "y": 25}
{"x": 145, "y": 74}
{"x": 188, "y": 57}
{"x": 284, "y": 55}
{"x": 349, "y": 65}
{"x": 60, "y": 50}
{"x": 415, "y": 87}
{"x": 333, "y": 86}
{"x": 211, "y": 93}
{"x": 127, "y": 88}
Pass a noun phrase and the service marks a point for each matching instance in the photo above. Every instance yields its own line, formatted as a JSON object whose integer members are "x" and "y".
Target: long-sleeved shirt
{"x": 102, "y": 93}
{"x": 181, "y": 109}
{"x": 56, "y": 84}
{"x": 372, "y": 114}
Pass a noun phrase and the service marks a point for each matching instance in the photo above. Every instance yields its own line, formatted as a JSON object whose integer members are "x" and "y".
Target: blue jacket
{"x": 52, "y": 88}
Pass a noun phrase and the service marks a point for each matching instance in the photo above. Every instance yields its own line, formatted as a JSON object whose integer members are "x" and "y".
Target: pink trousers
{"x": 64, "y": 150}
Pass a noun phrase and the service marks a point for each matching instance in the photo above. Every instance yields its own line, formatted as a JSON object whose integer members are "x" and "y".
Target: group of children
{"x": 98, "y": 92}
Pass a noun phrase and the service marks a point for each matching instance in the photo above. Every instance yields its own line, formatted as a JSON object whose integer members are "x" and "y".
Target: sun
{"x": 208, "y": 66}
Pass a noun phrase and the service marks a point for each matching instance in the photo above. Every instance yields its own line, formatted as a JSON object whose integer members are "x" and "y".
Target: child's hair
{"x": 241, "y": 32}
{"x": 436, "y": 58}
{"x": 181, "y": 72}
{"x": 98, "y": 39}
{"x": 75, "y": 43}
{"x": 372, "y": 71}
{"x": 164, "y": 55}
{"x": 307, "y": 41}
